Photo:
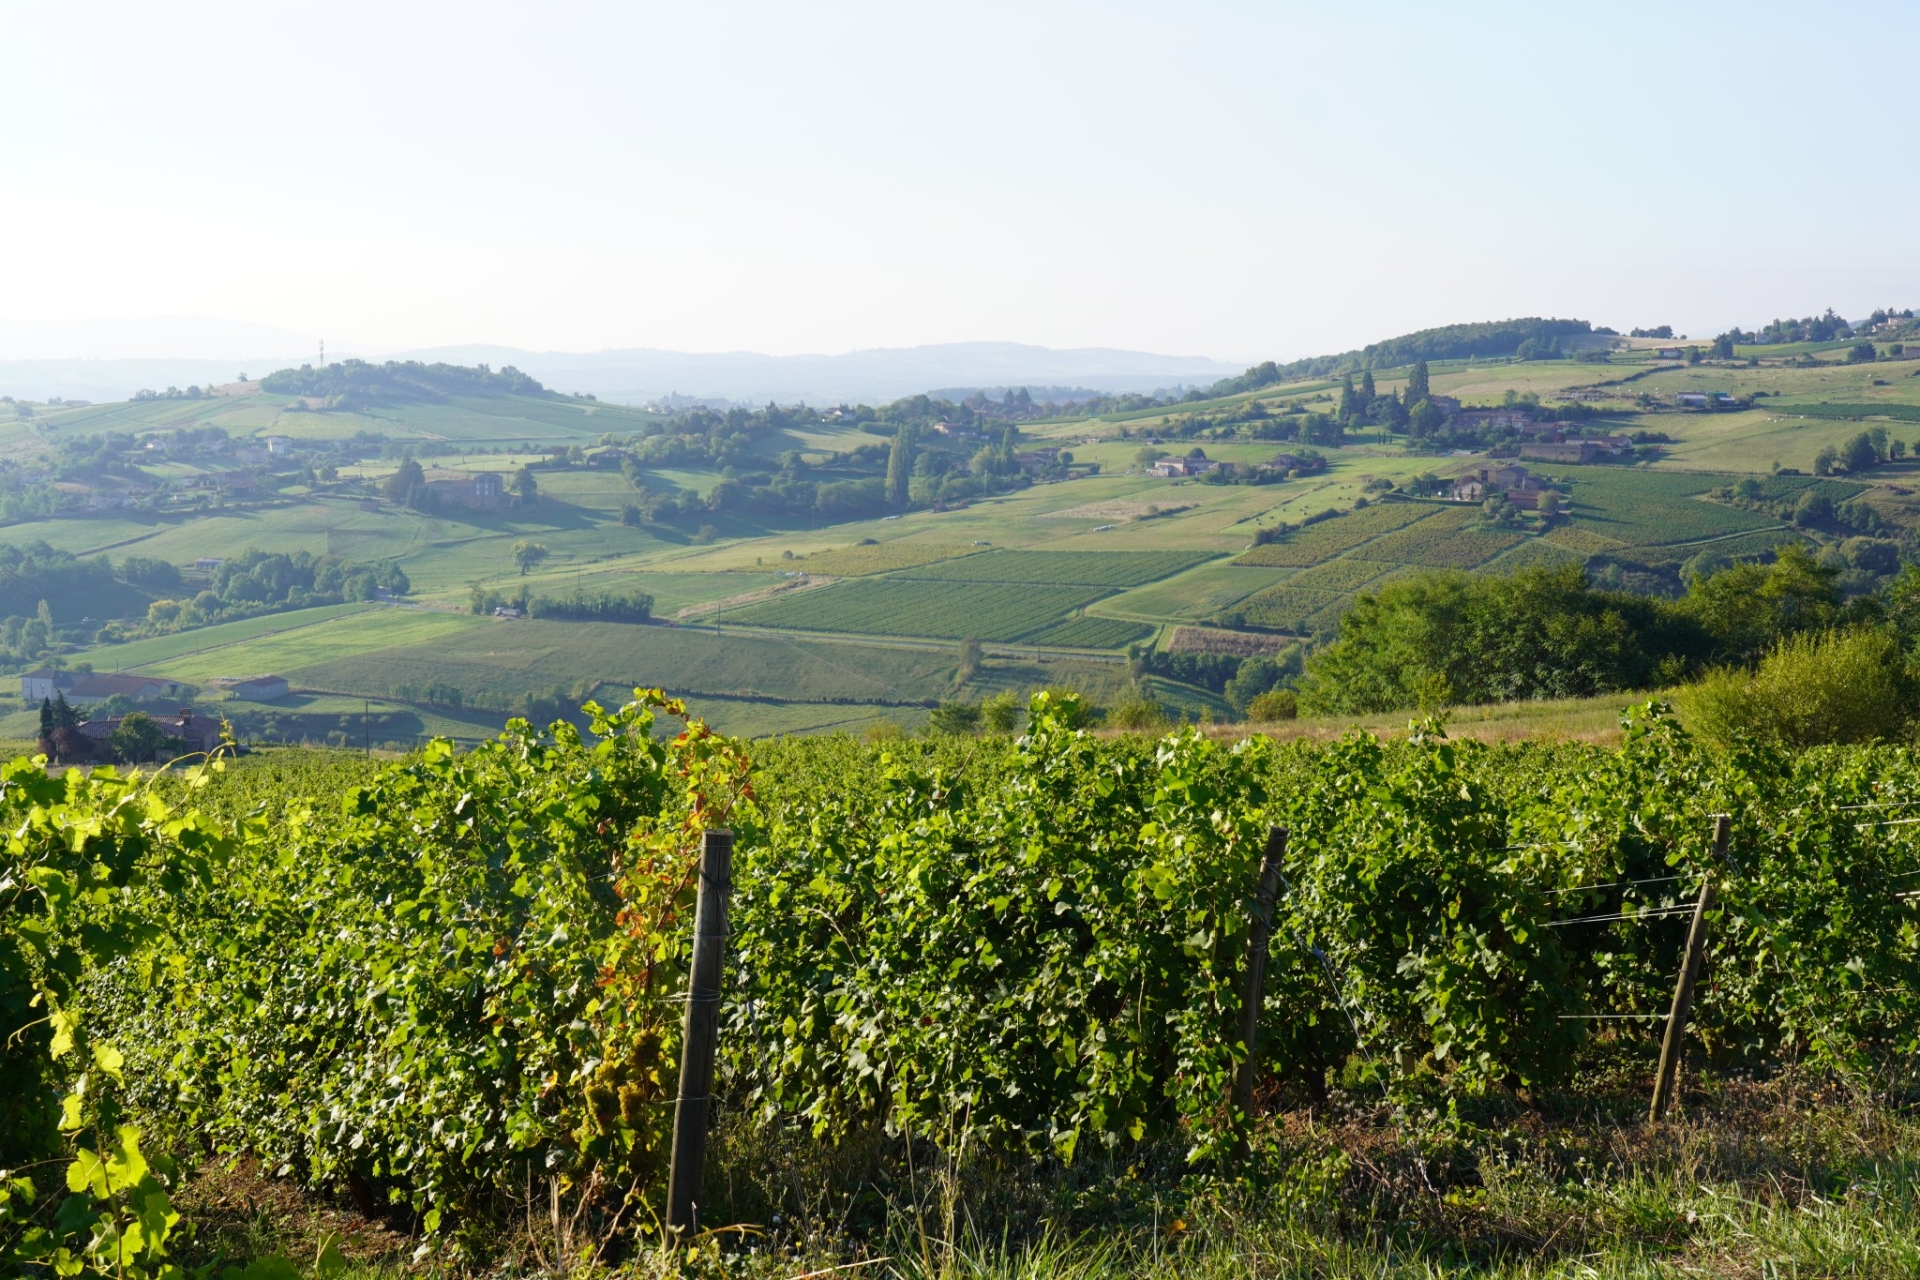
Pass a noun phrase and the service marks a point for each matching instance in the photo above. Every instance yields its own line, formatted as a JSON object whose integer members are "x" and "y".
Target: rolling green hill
{"x": 840, "y": 616}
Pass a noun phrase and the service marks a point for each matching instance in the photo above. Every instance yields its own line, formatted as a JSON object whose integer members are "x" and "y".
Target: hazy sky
{"x": 1243, "y": 180}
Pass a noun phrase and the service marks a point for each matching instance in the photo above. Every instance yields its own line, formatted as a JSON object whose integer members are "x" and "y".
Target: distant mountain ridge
{"x": 640, "y": 375}
{"x": 875, "y": 376}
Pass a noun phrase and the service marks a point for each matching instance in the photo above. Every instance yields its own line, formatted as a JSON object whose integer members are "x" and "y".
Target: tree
{"x": 1423, "y": 419}
{"x": 46, "y": 720}
{"x": 1439, "y": 639}
{"x": 137, "y": 737}
{"x": 524, "y": 487}
{"x": 1862, "y": 353}
{"x": 1349, "y": 399}
{"x": 1367, "y": 389}
{"x": 528, "y": 554}
{"x": 407, "y": 477}
{"x": 969, "y": 661}
{"x": 1549, "y": 503}
{"x": 1418, "y": 388}
{"x": 1747, "y": 608}
{"x": 900, "y": 465}
{"x": 1858, "y": 454}
{"x": 1723, "y": 347}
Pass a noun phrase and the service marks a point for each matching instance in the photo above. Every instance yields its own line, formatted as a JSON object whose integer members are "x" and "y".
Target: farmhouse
{"x": 37, "y": 686}
{"x": 1447, "y": 405}
{"x": 279, "y": 446}
{"x": 253, "y": 688}
{"x": 1670, "y": 353}
{"x": 1294, "y": 462}
{"x": 188, "y": 731}
{"x": 1490, "y": 420}
{"x": 1487, "y": 481}
{"x": 468, "y": 489}
{"x": 1168, "y": 468}
{"x": 1578, "y": 451}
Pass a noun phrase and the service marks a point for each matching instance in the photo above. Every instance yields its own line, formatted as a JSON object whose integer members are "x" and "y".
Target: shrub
{"x": 1275, "y": 704}
{"x": 1814, "y": 688}
{"x": 1001, "y": 712}
{"x": 1137, "y": 713}
{"x": 956, "y": 717}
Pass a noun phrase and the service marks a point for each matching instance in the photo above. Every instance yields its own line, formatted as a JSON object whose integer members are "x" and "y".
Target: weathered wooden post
{"x": 1253, "y": 991}
{"x": 700, "y": 1033}
{"x": 1671, "y": 1043}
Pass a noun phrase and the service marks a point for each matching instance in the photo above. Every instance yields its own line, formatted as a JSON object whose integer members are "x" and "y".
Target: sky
{"x": 1238, "y": 180}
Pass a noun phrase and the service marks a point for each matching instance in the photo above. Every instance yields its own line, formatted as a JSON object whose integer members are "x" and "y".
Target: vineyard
{"x": 1001, "y": 596}
{"x": 448, "y": 985}
{"x": 1065, "y": 568}
{"x": 1344, "y": 574}
{"x": 911, "y": 607}
{"x": 1285, "y": 608}
{"x": 883, "y": 557}
{"x": 1645, "y": 508}
{"x": 1449, "y": 540}
{"x": 1329, "y": 538}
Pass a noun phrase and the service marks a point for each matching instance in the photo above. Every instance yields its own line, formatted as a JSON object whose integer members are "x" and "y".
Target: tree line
{"x": 1440, "y": 639}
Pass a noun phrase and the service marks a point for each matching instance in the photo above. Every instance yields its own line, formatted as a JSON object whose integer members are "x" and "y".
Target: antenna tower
{"x": 323, "y": 353}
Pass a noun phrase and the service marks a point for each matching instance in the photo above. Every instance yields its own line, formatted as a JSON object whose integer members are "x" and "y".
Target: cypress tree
{"x": 1367, "y": 389}
{"x": 1417, "y": 386}
{"x": 46, "y": 718}
{"x": 900, "y": 465}
{"x": 1348, "y": 398}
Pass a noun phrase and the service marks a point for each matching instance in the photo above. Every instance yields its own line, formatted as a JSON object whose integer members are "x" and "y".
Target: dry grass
{"x": 1594, "y": 720}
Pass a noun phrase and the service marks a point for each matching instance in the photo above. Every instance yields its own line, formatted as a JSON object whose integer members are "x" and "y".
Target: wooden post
{"x": 1670, "y": 1044}
{"x": 700, "y": 1036}
{"x": 1253, "y": 991}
